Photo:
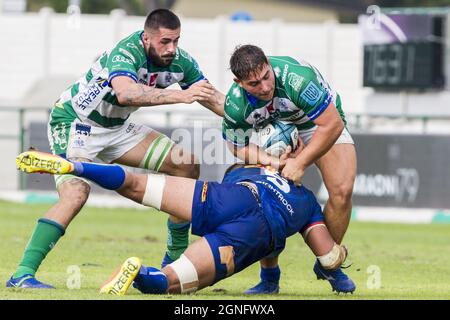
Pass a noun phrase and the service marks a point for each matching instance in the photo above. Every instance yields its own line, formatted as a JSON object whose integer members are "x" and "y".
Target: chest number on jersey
{"x": 277, "y": 180}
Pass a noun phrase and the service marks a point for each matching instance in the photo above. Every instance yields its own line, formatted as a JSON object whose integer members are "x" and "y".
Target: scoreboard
{"x": 414, "y": 64}
{"x": 405, "y": 51}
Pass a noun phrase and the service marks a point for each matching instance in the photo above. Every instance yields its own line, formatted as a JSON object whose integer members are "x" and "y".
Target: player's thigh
{"x": 338, "y": 169}
{"x": 135, "y": 157}
{"x": 157, "y": 152}
{"x": 239, "y": 243}
{"x": 178, "y": 196}
{"x": 180, "y": 162}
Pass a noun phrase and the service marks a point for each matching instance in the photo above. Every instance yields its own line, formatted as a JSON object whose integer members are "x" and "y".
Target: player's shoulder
{"x": 235, "y": 102}
{"x": 284, "y": 66}
{"x": 292, "y": 75}
{"x": 131, "y": 47}
{"x": 183, "y": 58}
{"x": 282, "y": 60}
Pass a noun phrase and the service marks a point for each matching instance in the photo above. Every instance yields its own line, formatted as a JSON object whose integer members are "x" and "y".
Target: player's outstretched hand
{"x": 199, "y": 91}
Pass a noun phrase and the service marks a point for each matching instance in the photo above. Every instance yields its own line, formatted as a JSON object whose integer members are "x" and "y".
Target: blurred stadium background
{"x": 389, "y": 60}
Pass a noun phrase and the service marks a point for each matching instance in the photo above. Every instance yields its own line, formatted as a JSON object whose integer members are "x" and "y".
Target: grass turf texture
{"x": 413, "y": 260}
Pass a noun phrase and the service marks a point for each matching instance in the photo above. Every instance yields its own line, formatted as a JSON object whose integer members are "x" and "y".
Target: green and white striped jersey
{"x": 301, "y": 95}
{"x": 91, "y": 98}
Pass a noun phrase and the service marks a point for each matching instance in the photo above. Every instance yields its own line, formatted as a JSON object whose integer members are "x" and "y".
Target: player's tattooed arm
{"x": 130, "y": 93}
{"x": 141, "y": 95}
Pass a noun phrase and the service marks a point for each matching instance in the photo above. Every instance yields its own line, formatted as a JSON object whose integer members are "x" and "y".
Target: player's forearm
{"x": 139, "y": 95}
{"x": 322, "y": 141}
{"x": 252, "y": 154}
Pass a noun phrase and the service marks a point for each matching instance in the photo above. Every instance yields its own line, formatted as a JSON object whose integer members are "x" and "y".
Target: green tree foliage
{"x": 57, "y": 5}
{"x": 132, "y": 7}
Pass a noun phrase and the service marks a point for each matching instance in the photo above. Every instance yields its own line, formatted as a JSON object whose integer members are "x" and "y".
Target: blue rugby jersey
{"x": 287, "y": 207}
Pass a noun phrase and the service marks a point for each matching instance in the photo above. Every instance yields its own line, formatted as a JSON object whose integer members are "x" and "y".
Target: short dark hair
{"x": 162, "y": 18}
{"x": 246, "y": 60}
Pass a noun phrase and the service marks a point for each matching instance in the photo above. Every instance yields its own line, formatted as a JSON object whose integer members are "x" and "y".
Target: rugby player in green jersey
{"x": 280, "y": 87}
{"x": 91, "y": 120}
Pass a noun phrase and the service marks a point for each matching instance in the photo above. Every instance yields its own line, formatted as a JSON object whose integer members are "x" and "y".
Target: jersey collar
{"x": 251, "y": 98}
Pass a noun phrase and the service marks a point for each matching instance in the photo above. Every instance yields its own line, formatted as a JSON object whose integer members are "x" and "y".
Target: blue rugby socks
{"x": 151, "y": 280}
{"x": 107, "y": 176}
{"x": 270, "y": 274}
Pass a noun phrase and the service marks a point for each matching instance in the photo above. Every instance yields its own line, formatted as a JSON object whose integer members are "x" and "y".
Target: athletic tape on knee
{"x": 333, "y": 259}
{"x": 154, "y": 190}
{"x": 308, "y": 230}
{"x": 156, "y": 153}
{"x": 187, "y": 274}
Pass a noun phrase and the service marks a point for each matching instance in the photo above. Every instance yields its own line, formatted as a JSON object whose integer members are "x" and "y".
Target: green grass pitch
{"x": 390, "y": 261}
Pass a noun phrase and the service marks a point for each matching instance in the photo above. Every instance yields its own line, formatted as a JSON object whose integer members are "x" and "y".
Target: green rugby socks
{"x": 178, "y": 238}
{"x": 44, "y": 238}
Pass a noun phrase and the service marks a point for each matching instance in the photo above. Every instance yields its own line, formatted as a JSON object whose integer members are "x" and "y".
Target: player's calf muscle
{"x": 134, "y": 187}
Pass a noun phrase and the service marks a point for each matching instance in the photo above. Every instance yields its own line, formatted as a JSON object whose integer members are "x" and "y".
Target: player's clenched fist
{"x": 293, "y": 170}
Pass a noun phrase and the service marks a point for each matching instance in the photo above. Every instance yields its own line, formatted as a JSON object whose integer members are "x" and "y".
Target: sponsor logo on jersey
{"x": 284, "y": 105}
{"x": 311, "y": 94}
{"x": 103, "y": 83}
{"x": 59, "y": 135}
{"x": 168, "y": 77}
{"x": 132, "y": 45}
{"x": 118, "y": 58}
{"x": 278, "y": 194}
{"x": 237, "y": 92}
{"x": 270, "y": 107}
{"x": 152, "y": 81}
{"x": 295, "y": 81}
{"x": 204, "y": 191}
{"x": 261, "y": 117}
{"x": 130, "y": 127}
{"x": 93, "y": 91}
{"x": 285, "y": 70}
{"x": 295, "y": 117}
{"x": 229, "y": 102}
{"x": 229, "y": 118}
{"x": 83, "y": 129}
{"x": 128, "y": 54}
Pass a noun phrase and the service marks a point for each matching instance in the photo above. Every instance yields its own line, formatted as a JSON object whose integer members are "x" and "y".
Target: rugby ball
{"x": 275, "y": 137}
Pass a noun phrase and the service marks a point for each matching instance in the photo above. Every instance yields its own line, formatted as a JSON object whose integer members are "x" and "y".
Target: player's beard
{"x": 160, "y": 61}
